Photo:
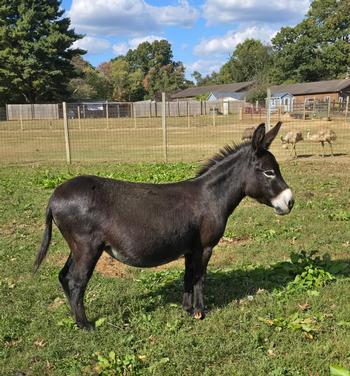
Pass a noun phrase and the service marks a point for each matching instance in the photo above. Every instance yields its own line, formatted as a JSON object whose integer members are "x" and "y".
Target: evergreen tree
{"x": 35, "y": 51}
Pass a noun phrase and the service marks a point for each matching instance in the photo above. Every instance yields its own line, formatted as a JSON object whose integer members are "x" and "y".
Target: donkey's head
{"x": 264, "y": 181}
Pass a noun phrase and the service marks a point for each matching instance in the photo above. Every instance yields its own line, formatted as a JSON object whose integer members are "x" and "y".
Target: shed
{"x": 226, "y": 96}
{"x": 283, "y": 100}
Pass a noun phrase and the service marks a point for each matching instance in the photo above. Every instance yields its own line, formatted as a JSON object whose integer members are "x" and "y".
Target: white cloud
{"x": 276, "y": 11}
{"x": 123, "y": 48}
{"x": 128, "y": 17}
{"x": 203, "y": 66}
{"x": 182, "y": 15}
{"x": 120, "y": 48}
{"x": 93, "y": 45}
{"x": 227, "y": 43}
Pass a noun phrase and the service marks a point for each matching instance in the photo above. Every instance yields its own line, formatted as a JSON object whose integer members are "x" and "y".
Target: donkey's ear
{"x": 271, "y": 135}
{"x": 258, "y": 137}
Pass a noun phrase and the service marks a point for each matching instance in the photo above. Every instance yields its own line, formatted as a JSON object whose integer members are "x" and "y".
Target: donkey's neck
{"x": 224, "y": 182}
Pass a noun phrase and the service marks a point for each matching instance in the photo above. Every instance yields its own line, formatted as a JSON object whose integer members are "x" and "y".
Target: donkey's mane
{"x": 222, "y": 154}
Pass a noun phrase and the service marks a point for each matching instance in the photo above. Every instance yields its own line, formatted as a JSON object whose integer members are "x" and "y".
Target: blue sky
{"x": 203, "y": 33}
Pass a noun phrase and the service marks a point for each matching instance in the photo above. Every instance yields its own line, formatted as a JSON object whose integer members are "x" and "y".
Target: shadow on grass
{"x": 224, "y": 286}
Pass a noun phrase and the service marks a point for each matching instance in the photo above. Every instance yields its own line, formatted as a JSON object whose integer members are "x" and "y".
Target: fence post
{"x": 304, "y": 110}
{"x": 188, "y": 114}
{"x": 214, "y": 122}
{"x": 329, "y": 109}
{"x": 346, "y": 108}
{"x": 107, "y": 114}
{"x": 165, "y": 138}
{"x": 79, "y": 122}
{"x": 134, "y": 113}
{"x": 66, "y": 132}
{"x": 268, "y": 110}
{"x": 314, "y": 108}
{"x": 21, "y": 118}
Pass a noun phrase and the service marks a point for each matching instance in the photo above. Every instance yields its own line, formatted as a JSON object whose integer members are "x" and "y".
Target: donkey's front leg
{"x": 200, "y": 262}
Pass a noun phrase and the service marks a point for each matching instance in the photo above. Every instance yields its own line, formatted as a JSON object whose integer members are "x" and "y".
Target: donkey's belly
{"x": 143, "y": 259}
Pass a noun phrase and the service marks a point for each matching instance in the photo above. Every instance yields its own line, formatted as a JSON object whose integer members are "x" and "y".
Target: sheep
{"x": 322, "y": 136}
{"x": 292, "y": 138}
{"x": 248, "y": 134}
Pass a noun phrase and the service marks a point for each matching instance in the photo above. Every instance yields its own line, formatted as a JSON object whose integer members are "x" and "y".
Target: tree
{"x": 209, "y": 79}
{"x": 249, "y": 60}
{"x": 150, "y": 55}
{"x": 35, "y": 51}
{"x": 317, "y": 48}
{"x": 120, "y": 76}
{"x": 90, "y": 84}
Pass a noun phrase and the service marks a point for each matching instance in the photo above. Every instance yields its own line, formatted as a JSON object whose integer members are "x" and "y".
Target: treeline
{"x": 143, "y": 73}
{"x": 39, "y": 64}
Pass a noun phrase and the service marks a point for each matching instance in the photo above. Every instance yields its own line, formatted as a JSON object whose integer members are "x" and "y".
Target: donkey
{"x": 146, "y": 225}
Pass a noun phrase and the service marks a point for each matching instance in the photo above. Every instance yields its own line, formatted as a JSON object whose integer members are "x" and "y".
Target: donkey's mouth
{"x": 280, "y": 211}
{"x": 284, "y": 202}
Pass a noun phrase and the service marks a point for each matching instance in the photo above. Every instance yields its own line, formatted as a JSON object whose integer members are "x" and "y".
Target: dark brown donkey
{"x": 151, "y": 224}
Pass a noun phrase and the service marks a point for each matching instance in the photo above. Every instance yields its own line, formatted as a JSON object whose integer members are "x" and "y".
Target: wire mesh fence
{"x": 169, "y": 131}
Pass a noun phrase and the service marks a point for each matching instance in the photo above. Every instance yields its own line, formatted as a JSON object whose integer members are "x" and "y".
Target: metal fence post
{"x": 66, "y": 132}
{"x": 165, "y": 138}
{"x": 268, "y": 110}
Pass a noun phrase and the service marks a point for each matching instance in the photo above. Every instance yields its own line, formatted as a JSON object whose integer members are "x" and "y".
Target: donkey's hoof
{"x": 86, "y": 326}
{"x": 198, "y": 315}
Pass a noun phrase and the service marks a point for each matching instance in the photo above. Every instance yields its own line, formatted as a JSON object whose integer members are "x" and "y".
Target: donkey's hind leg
{"x": 187, "y": 304}
{"x": 63, "y": 276}
{"x": 74, "y": 278}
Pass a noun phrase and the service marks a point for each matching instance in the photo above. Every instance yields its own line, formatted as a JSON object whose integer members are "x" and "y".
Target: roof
{"x": 330, "y": 86}
{"x": 228, "y": 94}
{"x": 199, "y": 90}
{"x": 281, "y": 95}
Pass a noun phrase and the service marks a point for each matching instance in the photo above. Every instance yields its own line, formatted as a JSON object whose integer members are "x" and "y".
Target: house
{"x": 333, "y": 90}
{"x": 282, "y": 100}
{"x": 195, "y": 91}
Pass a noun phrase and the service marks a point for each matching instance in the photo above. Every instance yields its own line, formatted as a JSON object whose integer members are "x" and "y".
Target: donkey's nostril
{"x": 290, "y": 204}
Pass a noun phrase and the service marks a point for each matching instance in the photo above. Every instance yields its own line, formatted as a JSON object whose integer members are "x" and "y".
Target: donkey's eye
{"x": 269, "y": 173}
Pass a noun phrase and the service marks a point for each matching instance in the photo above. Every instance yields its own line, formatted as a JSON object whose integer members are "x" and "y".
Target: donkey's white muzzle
{"x": 284, "y": 202}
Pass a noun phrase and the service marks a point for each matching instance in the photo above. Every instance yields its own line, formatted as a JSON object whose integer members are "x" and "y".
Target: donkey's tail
{"x": 46, "y": 240}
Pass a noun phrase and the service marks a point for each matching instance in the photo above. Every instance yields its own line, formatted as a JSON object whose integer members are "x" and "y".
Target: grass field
{"x": 123, "y": 140}
{"x": 274, "y": 307}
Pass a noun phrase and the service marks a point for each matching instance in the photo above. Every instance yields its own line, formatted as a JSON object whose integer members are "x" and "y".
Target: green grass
{"x": 275, "y": 306}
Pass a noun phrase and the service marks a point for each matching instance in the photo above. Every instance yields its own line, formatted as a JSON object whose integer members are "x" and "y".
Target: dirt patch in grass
{"x": 110, "y": 267}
